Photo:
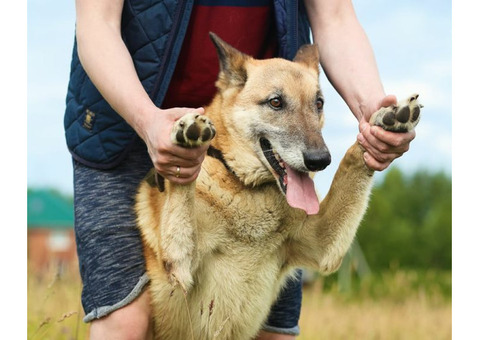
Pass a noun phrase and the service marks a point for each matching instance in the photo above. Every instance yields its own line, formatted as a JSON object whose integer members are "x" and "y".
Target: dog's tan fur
{"x": 219, "y": 250}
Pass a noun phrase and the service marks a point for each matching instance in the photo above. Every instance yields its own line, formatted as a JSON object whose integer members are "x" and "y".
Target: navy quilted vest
{"x": 153, "y": 31}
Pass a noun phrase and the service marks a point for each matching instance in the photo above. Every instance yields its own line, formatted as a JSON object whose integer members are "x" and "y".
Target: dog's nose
{"x": 316, "y": 159}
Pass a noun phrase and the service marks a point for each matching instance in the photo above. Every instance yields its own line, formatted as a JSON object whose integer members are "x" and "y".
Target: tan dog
{"x": 219, "y": 250}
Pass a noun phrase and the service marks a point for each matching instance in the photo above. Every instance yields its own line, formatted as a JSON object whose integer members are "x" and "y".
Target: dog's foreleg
{"x": 328, "y": 235}
{"x": 178, "y": 227}
{"x": 342, "y": 210}
{"x": 178, "y": 232}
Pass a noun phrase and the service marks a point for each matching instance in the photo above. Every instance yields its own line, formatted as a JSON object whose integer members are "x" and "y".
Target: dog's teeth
{"x": 279, "y": 160}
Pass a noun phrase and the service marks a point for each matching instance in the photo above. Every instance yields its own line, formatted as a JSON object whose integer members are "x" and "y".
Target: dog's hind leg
{"x": 178, "y": 228}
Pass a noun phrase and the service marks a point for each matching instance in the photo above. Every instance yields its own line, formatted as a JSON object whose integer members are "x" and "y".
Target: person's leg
{"x": 109, "y": 248}
{"x": 282, "y": 323}
{"x": 132, "y": 322}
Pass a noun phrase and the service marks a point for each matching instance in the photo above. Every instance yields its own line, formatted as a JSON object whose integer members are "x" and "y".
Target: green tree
{"x": 408, "y": 223}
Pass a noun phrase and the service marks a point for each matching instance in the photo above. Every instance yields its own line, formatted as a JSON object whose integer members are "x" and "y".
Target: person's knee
{"x": 131, "y": 322}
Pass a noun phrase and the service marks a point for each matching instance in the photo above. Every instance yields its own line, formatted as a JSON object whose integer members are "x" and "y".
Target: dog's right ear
{"x": 232, "y": 63}
{"x": 309, "y": 56}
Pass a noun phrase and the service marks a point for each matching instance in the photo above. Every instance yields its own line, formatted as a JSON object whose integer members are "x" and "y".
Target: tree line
{"x": 408, "y": 224}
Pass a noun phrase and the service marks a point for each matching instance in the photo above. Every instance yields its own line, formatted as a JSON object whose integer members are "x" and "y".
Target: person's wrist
{"x": 144, "y": 118}
{"x": 368, "y": 105}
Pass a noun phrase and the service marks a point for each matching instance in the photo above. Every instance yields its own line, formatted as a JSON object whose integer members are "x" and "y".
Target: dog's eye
{"x": 276, "y": 103}
{"x": 319, "y": 104}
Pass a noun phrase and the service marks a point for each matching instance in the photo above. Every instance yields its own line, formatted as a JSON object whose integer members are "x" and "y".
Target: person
{"x": 138, "y": 66}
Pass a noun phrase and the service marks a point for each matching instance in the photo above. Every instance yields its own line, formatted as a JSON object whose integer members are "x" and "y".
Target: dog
{"x": 219, "y": 250}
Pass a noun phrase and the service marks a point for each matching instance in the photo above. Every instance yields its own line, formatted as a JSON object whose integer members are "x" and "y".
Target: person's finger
{"x": 188, "y": 154}
{"x": 397, "y": 141}
{"x": 182, "y": 172}
{"x": 385, "y": 141}
{"x": 178, "y": 112}
{"x": 388, "y": 100}
{"x": 183, "y": 176}
{"x": 165, "y": 162}
{"x": 381, "y": 156}
{"x": 373, "y": 163}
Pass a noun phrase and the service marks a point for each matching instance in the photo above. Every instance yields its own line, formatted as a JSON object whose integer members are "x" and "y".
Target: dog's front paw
{"x": 402, "y": 117}
{"x": 192, "y": 130}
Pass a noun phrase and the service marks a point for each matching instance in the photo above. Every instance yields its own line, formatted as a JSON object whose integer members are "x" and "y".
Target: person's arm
{"x": 349, "y": 63}
{"x": 109, "y": 65}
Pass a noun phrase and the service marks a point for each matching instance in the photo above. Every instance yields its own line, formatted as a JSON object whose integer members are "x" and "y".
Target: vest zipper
{"x": 295, "y": 27}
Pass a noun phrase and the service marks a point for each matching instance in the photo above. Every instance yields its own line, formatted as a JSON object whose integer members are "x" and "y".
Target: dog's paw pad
{"x": 192, "y": 130}
{"x": 399, "y": 118}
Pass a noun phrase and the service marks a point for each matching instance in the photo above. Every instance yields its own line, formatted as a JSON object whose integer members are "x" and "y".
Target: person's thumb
{"x": 388, "y": 100}
{"x": 179, "y": 112}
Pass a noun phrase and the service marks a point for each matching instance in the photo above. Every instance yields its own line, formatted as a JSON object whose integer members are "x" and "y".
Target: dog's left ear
{"x": 232, "y": 63}
{"x": 309, "y": 56}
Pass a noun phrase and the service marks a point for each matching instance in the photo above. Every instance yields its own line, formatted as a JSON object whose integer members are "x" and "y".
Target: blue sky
{"x": 411, "y": 39}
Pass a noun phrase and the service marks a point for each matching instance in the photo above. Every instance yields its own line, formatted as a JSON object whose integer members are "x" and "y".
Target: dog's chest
{"x": 237, "y": 285}
{"x": 247, "y": 215}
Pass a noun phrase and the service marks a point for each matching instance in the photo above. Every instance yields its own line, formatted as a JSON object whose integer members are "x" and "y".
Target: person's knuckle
{"x": 383, "y": 148}
{"x": 398, "y": 143}
{"x": 382, "y": 158}
{"x": 412, "y": 136}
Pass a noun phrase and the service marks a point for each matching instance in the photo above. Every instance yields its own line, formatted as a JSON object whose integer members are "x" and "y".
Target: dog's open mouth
{"x": 297, "y": 186}
{"x": 275, "y": 162}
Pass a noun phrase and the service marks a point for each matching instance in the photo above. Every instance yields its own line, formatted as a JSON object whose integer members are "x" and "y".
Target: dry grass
{"x": 54, "y": 310}
{"x": 397, "y": 305}
{"x": 404, "y": 310}
{"x": 413, "y": 319}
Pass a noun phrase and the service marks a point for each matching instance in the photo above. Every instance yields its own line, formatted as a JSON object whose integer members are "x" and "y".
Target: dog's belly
{"x": 231, "y": 297}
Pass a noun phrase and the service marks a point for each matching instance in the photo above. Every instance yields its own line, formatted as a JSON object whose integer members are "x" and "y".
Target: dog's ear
{"x": 309, "y": 56}
{"x": 232, "y": 63}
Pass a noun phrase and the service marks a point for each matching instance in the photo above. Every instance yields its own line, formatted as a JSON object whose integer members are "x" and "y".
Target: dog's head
{"x": 271, "y": 120}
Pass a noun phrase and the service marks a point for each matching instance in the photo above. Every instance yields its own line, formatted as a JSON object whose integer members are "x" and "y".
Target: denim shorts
{"x": 109, "y": 244}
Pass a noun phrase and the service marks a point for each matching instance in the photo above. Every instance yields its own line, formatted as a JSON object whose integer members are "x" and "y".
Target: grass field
{"x": 393, "y": 305}
{"x": 54, "y": 309}
{"x": 399, "y": 305}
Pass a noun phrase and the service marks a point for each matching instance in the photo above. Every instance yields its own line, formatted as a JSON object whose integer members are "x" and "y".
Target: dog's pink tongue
{"x": 301, "y": 191}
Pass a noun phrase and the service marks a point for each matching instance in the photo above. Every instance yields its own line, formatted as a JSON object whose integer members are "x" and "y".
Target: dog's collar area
{"x": 217, "y": 154}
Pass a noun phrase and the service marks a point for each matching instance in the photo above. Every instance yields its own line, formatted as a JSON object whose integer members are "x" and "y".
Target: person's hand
{"x": 167, "y": 157}
{"x": 381, "y": 146}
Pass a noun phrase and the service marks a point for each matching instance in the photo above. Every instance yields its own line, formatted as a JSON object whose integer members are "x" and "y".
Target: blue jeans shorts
{"x": 109, "y": 244}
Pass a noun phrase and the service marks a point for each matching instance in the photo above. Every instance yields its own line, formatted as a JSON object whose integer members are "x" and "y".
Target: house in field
{"x": 51, "y": 239}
